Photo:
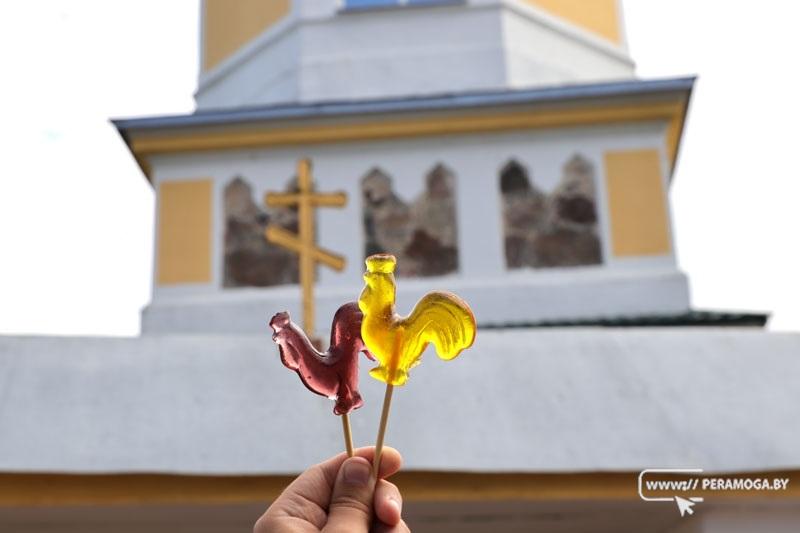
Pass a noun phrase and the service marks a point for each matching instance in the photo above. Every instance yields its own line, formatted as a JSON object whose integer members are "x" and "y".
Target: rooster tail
{"x": 382, "y": 373}
{"x": 443, "y": 319}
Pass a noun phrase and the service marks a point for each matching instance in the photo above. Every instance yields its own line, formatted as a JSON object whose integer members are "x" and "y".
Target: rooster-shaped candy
{"x": 334, "y": 373}
{"x": 440, "y": 318}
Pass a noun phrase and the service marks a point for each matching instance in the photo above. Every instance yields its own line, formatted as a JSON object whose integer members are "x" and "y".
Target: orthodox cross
{"x": 303, "y": 243}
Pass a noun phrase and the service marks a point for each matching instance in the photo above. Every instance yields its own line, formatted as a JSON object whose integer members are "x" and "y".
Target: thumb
{"x": 351, "y": 501}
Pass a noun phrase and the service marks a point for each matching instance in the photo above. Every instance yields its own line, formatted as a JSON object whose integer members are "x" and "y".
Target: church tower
{"x": 265, "y": 53}
{"x": 502, "y": 144}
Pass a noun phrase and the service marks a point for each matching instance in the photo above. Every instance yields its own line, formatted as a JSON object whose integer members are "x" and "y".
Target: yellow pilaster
{"x": 637, "y": 203}
{"x": 184, "y": 232}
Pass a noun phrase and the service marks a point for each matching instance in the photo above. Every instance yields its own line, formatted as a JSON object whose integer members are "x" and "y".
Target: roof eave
{"x": 214, "y": 120}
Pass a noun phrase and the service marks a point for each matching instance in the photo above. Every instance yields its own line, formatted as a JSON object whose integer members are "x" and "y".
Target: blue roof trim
{"x": 397, "y": 105}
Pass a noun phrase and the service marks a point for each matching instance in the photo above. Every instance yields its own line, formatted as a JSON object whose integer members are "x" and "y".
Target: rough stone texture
{"x": 550, "y": 230}
{"x": 251, "y": 261}
{"x": 423, "y": 234}
{"x": 387, "y": 218}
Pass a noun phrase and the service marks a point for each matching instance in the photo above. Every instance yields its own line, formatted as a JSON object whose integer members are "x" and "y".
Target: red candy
{"x": 334, "y": 373}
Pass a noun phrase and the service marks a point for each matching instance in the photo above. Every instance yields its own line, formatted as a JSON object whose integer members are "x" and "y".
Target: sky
{"x": 76, "y": 214}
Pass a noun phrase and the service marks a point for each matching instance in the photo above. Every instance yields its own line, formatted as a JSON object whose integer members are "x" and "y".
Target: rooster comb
{"x": 381, "y": 263}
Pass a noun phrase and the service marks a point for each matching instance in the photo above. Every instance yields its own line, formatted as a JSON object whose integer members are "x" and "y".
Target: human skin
{"x": 340, "y": 495}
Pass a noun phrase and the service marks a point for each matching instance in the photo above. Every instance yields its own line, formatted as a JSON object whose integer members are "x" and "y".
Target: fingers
{"x": 309, "y": 496}
{"x": 383, "y": 528}
{"x": 306, "y": 498}
{"x": 350, "y": 510}
{"x": 391, "y": 461}
{"x": 313, "y": 487}
{"x": 388, "y": 503}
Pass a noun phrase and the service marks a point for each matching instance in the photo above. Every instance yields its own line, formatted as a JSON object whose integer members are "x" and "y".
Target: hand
{"x": 339, "y": 496}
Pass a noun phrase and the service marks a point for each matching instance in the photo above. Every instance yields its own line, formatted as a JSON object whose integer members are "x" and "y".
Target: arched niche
{"x": 555, "y": 229}
{"x": 421, "y": 233}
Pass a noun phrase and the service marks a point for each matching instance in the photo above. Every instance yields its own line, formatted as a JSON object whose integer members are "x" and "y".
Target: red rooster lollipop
{"x": 334, "y": 373}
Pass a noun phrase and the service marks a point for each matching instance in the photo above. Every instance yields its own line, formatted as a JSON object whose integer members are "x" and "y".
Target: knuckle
{"x": 392, "y": 490}
{"x": 263, "y": 525}
{"x": 350, "y": 504}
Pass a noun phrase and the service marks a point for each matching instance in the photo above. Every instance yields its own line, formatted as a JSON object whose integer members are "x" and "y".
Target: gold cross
{"x": 303, "y": 244}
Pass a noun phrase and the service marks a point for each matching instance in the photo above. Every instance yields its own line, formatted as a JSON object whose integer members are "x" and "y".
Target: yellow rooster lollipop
{"x": 439, "y": 318}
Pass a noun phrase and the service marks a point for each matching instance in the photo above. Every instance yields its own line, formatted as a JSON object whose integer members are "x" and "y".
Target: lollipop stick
{"x": 387, "y": 403}
{"x": 348, "y": 434}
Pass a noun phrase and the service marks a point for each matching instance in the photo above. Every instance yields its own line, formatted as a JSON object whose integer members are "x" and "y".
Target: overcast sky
{"x": 76, "y": 215}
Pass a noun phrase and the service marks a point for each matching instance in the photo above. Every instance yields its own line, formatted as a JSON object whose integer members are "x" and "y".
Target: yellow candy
{"x": 397, "y": 342}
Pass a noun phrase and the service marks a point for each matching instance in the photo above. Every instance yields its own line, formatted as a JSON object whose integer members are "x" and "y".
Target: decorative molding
{"x": 285, "y": 133}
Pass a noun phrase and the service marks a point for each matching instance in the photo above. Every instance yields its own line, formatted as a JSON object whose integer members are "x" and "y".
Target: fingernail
{"x": 357, "y": 473}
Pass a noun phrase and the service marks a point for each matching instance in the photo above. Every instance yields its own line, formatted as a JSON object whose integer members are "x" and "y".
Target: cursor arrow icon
{"x": 684, "y": 505}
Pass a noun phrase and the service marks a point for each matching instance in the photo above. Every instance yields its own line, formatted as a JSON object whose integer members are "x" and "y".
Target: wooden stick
{"x": 348, "y": 434}
{"x": 387, "y": 403}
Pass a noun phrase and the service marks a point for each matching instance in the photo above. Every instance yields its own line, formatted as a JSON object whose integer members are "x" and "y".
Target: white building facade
{"x": 621, "y": 137}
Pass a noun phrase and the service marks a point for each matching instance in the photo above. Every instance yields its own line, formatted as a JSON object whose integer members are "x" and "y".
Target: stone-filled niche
{"x": 251, "y": 261}
{"x": 558, "y": 229}
{"x": 423, "y": 233}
